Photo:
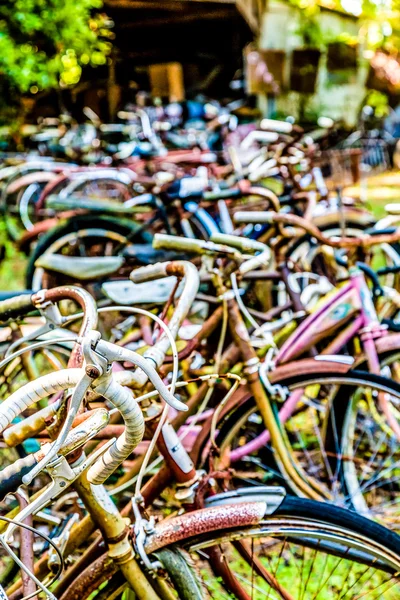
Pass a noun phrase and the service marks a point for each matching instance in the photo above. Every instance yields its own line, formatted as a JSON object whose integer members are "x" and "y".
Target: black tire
{"x": 312, "y": 528}
{"x": 350, "y": 225}
{"x": 122, "y": 228}
{"x": 335, "y": 515}
{"x": 243, "y": 423}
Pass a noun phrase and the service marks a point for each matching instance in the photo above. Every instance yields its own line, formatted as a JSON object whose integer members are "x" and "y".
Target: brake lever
{"x": 62, "y": 475}
{"x": 54, "y": 320}
{"x": 95, "y": 366}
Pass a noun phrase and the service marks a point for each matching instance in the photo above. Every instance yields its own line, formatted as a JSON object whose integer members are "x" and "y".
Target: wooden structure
{"x": 206, "y": 37}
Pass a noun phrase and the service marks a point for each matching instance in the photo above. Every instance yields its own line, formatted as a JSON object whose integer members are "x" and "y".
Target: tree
{"x": 46, "y": 43}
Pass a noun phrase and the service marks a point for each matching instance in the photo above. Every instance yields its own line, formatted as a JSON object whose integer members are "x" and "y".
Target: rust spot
{"x": 204, "y": 521}
{"x": 92, "y": 371}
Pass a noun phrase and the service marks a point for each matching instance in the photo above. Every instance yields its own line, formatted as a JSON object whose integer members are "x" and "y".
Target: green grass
{"x": 307, "y": 575}
{"x": 13, "y": 265}
{"x": 381, "y": 190}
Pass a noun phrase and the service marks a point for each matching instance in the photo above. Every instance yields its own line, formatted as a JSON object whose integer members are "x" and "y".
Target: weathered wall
{"x": 278, "y": 32}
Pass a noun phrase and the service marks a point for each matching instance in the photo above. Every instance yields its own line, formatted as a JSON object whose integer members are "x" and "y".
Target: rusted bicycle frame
{"x": 115, "y": 531}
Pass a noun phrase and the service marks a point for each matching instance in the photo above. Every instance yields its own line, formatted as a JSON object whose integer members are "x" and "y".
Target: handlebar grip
{"x": 369, "y": 272}
{"x": 392, "y": 325}
{"x": 149, "y": 272}
{"x": 340, "y": 259}
{"x": 278, "y": 126}
{"x": 29, "y": 427}
{"x": 223, "y": 194}
{"x": 256, "y": 216}
{"x": 388, "y": 270}
{"x": 11, "y": 477}
{"x": 386, "y": 231}
{"x": 241, "y": 243}
{"x": 173, "y": 242}
{"x": 16, "y": 307}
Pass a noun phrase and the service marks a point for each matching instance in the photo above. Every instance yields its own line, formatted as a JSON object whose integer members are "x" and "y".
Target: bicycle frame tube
{"x": 337, "y": 310}
{"x": 295, "y": 476}
{"x": 116, "y": 533}
{"x": 352, "y": 301}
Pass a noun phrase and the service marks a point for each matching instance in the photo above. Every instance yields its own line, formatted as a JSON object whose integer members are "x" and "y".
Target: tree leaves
{"x": 45, "y": 43}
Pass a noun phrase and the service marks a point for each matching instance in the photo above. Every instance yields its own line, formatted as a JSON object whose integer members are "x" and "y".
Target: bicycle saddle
{"x": 81, "y": 268}
{"x": 148, "y": 292}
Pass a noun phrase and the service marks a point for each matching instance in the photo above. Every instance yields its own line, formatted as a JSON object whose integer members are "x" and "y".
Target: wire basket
{"x": 354, "y": 163}
{"x": 341, "y": 168}
{"x": 375, "y": 156}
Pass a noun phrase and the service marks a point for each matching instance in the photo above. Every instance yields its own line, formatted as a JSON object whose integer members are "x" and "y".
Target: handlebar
{"x": 173, "y": 242}
{"x": 12, "y": 476}
{"x": 366, "y": 269}
{"x": 223, "y": 194}
{"x": 263, "y": 137}
{"x": 246, "y": 245}
{"x": 295, "y": 221}
{"x": 182, "y": 269}
{"x": 244, "y": 188}
{"x": 277, "y": 126}
{"x": 15, "y": 307}
{"x": 84, "y": 300}
{"x": 227, "y": 245}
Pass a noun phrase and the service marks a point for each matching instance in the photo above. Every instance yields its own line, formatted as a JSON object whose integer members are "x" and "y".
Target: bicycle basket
{"x": 340, "y": 168}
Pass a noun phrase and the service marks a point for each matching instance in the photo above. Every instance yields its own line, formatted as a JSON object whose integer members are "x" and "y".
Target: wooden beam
{"x": 168, "y": 5}
{"x": 162, "y": 4}
{"x": 176, "y": 19}
{"x": 249, "y": 11}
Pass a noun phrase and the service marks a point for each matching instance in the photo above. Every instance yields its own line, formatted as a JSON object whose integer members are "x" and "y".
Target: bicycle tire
{"x": 121, "y": 228}
{"x": 181, "y": 573}
{"x": 241, "y": 423}
{"x": 299, "y": 519}
{"x": 309, "y": 526}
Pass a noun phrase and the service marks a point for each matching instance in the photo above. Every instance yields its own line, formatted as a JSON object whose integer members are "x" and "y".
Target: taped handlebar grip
{"x": 16, "y": 307}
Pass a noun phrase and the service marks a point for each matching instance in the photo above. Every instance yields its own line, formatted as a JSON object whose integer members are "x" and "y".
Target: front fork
{"x": 115, "y": 531}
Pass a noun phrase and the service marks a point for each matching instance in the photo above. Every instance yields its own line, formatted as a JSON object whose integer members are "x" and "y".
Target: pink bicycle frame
{"x": 351, "y": 304}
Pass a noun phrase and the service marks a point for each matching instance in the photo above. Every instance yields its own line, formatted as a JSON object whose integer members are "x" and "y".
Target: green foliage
{"x": 379, "y": 102}
{"x": 309, "y": 28}
{"x": 45, "y": 43}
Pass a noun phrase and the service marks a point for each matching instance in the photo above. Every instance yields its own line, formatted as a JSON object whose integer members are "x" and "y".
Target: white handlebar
{"x": 37, "y": 390}
{"x": 122, "y": 399}
{"x": 278, "y": 126}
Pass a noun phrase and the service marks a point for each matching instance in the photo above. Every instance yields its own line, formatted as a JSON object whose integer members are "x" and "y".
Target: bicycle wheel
{"x": 82, "y": 236}
{"x": 333, "y": 433}
{"x": 103, "y": 581}
{"x": 305, "y": 550}
{"x": 371, "y": 452}
{"x": 307, "y": 252}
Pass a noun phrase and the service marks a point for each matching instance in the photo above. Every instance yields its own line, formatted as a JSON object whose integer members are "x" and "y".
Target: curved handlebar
{"x": 277, "y": 126}
{"x": 87, "y": 304}
{"x": 299, "y": 222}
{"x": 178, "y": 268}
{"x": 173, "y": 242}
